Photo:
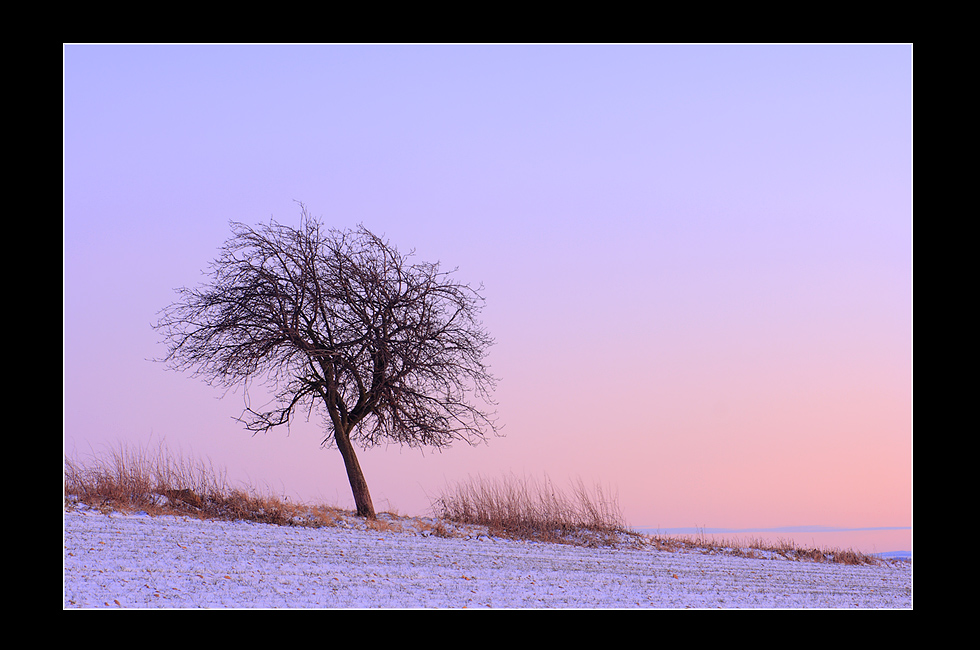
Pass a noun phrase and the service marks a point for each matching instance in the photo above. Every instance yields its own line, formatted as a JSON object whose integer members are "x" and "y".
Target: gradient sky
{"x": 697, "y": 259}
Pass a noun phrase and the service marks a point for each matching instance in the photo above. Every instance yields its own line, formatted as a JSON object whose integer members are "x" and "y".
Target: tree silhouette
{"x": 387, "y": 349}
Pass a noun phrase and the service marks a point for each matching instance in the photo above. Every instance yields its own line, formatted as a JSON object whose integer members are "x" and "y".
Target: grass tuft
{"x": 133, "y": 479}
{"x": 523, "y": 508}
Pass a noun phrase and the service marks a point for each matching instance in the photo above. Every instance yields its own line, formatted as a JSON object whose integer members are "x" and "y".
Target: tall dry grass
{"x": 138, "y": 477}
{"x": 525, "y": 508}
{"x": 161, "y": 482}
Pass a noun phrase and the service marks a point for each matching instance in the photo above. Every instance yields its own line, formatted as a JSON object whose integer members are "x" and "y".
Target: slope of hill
{"x": 138, "y": 561}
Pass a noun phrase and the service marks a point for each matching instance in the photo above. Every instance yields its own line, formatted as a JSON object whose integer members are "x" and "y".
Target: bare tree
{"x": 338, "y": 321}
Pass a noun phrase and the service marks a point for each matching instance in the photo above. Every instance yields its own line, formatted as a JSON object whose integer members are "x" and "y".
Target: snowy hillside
{"x": 138, "y": 561}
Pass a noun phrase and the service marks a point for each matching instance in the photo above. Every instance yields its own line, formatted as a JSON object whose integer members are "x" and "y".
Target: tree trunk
{"x": 358, "y": 485}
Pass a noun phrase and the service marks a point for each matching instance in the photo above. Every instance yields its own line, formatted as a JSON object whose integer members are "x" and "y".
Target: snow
{"x": 138, "y": 561}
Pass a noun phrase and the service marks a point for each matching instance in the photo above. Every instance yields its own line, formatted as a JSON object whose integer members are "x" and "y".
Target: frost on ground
{"x": 137, "y": 561}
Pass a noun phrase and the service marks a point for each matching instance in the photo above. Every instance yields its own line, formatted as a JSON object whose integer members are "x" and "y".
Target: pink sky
{"x": 696, "y": 259}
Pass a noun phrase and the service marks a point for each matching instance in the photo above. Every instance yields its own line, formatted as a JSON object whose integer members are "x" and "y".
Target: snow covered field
{"x": 138, "y": 561}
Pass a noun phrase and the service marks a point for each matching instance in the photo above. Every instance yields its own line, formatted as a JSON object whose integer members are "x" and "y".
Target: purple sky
{"x": 697, "y": 259}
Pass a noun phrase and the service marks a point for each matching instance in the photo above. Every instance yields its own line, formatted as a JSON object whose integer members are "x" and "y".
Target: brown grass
{"x": 128, "y": 479}
{"x": 757, "y": 547}
{"x": 523, "y": 508}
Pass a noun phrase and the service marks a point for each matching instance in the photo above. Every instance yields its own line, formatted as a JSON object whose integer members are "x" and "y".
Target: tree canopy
{"x": 386, "y": 348}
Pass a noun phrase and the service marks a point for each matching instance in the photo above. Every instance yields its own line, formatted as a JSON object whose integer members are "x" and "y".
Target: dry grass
{"x": 523, "y": 508}
{"x": 758, "y": 548}
{"x": 129, "y": 479}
